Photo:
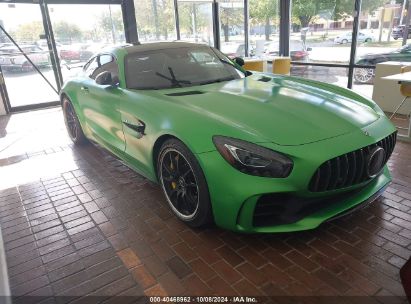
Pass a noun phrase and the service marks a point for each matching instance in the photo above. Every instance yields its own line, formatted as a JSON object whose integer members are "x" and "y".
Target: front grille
{"x": 348, "y": 169}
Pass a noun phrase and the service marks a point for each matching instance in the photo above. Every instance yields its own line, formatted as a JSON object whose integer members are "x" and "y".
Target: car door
{"x": 101, "y": 104}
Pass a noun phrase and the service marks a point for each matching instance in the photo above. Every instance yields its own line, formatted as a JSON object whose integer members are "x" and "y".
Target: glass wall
{"x": 381, "y": 27}
{"x": 17, "y": 69}
{"x": 93, "y": 27}
{"x": 321, "y": 31}
{"x": 334, "y": 75}
{"x": 264, "y": 23}
{"x": 232, "y": 39}
{"x": 155, "y": 20}
{"x": 196, "y": 21}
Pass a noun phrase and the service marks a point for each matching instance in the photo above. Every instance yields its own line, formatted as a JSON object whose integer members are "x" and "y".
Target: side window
{"x": 90, "y": 67}
{"x": 201, "y": 57}
{"x": 106, "y": 63}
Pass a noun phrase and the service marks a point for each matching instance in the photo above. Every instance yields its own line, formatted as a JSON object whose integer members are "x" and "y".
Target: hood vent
{"x": 185, "y": 93}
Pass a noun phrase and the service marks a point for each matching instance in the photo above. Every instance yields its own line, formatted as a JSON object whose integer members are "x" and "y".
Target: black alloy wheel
{"x": 363, "y": 75}
{"x": 72, "y": 123}
{"x": 183, "y": 184}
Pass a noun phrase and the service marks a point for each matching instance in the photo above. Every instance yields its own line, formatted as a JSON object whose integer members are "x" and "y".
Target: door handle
{"x": 85, "y": 89}
{"x": 139, "y": 126}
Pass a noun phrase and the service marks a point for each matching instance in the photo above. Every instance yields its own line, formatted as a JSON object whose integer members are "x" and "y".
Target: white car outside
{"x": 347, "y": 38}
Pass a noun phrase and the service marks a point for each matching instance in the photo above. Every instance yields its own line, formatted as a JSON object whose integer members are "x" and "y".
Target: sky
{"x": 80, "y": 14}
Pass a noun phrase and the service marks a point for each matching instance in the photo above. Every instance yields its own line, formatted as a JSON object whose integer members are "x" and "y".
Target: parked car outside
{"x": 87, "y": 51}
{"x": 70, "y": 52}
{"x": 298, "y": 51}
{"x": 365, "y": 75}
{"x": 12, "y": 59}
{"x": 347, "y": 38}
{"x": 398, "y": 32}
{"x": 233, "y": 49}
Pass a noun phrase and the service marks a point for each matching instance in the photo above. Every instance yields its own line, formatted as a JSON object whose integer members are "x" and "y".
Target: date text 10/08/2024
{"x": 204, "y": 299}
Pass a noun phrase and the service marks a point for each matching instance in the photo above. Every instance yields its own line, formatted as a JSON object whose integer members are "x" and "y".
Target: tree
{"x": 230, "y": 15}
{"x": 155, "y": 18}
{"x": 193, "y": 18}
{"x": 111, "y": 22}
{"x": 67, "y": 32}
{"x": 264, "y": 12}
{"x": 306, "y": 10}
{"x": 29, "y": 32}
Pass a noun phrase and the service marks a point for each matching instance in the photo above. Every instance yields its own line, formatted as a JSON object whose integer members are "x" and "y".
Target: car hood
{"x": 281, "y": 110}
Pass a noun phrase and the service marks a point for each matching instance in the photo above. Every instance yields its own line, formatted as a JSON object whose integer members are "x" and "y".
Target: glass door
{"x": 80, "y": 30}
{"x": 26, "y": 67}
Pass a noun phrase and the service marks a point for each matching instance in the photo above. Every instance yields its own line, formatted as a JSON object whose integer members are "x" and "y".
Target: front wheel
{"x": 184, "y": 184}
{"x": 363, "y": 75}
{"x": 72, "y": 123}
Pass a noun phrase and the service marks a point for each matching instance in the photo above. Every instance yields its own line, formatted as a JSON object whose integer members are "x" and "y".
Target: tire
{"x": 368, "y": 40}
{"x": 184, "y": 184}
{"x": 344, "y": 41}
{"x": 363, "y": 75}
{"x": 73, "y": 126}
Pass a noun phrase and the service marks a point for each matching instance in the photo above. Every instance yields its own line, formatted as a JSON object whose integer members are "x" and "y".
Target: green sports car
{"x": 252, "y": 152}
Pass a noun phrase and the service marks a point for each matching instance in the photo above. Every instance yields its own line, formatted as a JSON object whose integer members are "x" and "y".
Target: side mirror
{"x": 105, "y": 78}
{"x": 239, "y": 61}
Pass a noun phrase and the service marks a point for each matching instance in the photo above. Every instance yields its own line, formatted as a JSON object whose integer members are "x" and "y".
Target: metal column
{"x": 246, "y": 28}
{"x": 51, "y": 44}
{"x": 129, "y": 20}
{"x": 285, "y": 13}
{"x": 356, "y": 14}
{"x": 216, "y": 24}
{"x": 177, "y": 19}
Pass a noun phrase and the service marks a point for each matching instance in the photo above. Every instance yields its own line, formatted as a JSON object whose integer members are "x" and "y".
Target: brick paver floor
{"x": 77, "y": 222}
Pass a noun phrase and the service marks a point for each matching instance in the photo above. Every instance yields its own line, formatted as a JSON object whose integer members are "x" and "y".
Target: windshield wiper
{"x": 217, "y": 80}
{"x": 227, "y": 62}
{"x": 174, "y": 81}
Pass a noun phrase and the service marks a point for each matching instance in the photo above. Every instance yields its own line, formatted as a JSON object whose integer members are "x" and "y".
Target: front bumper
{"x": 234, "y": 195}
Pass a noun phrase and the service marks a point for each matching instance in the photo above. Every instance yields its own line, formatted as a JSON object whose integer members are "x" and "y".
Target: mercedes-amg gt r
{"x": 253, "y": 152}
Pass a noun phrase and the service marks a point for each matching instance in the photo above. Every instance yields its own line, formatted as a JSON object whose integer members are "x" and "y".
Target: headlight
{"x": 253, "y": 159}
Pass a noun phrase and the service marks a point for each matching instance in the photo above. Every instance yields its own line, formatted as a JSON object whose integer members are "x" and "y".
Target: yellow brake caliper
{"x": 173, "y": 183}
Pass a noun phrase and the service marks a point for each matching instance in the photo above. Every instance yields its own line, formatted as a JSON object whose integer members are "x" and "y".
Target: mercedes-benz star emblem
{"x": 375, "y": 161}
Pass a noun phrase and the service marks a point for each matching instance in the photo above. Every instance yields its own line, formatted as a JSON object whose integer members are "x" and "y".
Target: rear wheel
{"x": 344, "y": 41}
{"x": 363, "y": 75}
{"x": 368, "y": 40}
{"x": 72, "y": 123}
{"x": 184, "y": 184}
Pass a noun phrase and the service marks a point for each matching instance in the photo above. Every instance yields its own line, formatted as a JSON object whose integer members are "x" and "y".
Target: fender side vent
{"x": 185, "y": 93}
{"x": 265, "y": 79}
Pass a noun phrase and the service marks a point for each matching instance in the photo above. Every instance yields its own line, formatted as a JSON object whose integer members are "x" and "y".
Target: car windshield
{"x": 178, "y": 67}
